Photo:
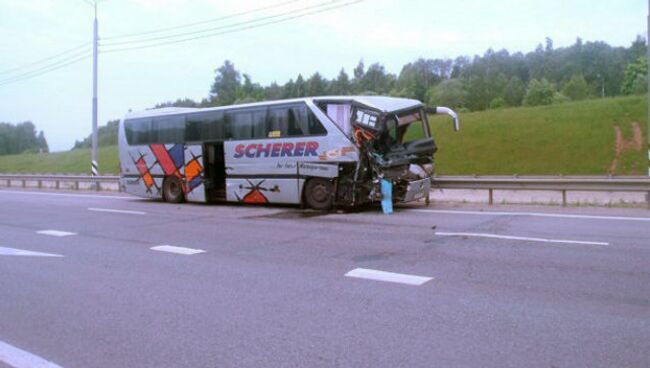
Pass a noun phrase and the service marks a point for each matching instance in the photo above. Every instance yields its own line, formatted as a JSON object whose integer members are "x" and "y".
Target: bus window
{"x": 205, "y": 127}
{"x": 248, "y": 124}
{"x": 138, "y": 131}
{"x": 169, "y": 129}
{"x": 293, "y": 121}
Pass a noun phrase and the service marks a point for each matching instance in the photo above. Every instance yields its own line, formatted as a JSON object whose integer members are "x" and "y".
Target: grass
{"x": 576, "y": 138}
{"x": 69, "y": 162}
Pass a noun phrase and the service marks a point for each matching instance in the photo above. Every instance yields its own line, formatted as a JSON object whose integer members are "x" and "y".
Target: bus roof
{"x": 381, "y": 103}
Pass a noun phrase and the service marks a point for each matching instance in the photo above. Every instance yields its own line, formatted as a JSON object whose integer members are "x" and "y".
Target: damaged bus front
{"x": 396, "y": 153}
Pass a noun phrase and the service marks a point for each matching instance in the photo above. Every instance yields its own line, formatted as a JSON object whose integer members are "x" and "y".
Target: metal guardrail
{"x": 561, "y": 184}
{"x": 39, "y": 179}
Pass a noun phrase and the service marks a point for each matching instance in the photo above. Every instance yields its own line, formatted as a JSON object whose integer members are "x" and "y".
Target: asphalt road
{"x": 521, "y": 287}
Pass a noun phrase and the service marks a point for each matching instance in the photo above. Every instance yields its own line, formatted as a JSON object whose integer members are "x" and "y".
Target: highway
{"x": 102, "y": 280}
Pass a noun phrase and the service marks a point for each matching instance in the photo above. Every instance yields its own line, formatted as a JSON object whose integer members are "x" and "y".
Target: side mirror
{"x": 445, "y": 110}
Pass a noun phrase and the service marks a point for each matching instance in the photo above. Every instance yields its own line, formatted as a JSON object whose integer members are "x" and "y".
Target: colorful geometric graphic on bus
{"x": 193, "y": 171}
{"x": 145, "y": 173}
{"x": 255, "y": 195}
{"x": 171, "y": 161}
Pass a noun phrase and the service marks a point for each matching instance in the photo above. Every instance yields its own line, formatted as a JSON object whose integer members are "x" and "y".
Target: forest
{"x": 493, "y": 80}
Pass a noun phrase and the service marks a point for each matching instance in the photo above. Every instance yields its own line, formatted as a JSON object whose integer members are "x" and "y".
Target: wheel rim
{"x": 173, "y": 189}
{"x": 320, "y": 193}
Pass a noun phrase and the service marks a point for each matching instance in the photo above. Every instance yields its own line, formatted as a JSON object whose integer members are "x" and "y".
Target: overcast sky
{"x": 387, "y": 31}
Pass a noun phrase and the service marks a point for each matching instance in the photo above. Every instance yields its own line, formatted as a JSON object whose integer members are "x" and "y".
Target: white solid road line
{"x": 510, "y": 237}
{"x": 129, "y": 212}
{"x": 72, "y": 195}
{"x": 17, "y": 358}
{"x": 177, "y": 250}
{"x": 20, "y": 252}
{"x": 55, "y": 233}
{"x": 537, "y": 214}
{"x": 400, "y": 278}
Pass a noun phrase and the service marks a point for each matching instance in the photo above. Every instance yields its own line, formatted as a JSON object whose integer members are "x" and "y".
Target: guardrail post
{"x": 647, "y": 197}
{"x": 76, "y": 185}
{"x": 40, "y": 184}
{"x": 8, "y": 183}
{"x": 98, "y": 186}
{"x": 564, "y": 198}
{"x": 57, "y": 184}
{"x": 491, "y": 197}
{"x": 24, "y": 183}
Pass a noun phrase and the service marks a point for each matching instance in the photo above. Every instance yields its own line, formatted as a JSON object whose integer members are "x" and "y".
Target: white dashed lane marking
{"x": 110, "y": 210}
{"x": 18, "y": 358}
{"x": 522, "y": 238}
{"x": 20, "y": 252}
{"x": 69, "y": 195}
{"x": 400, "y": 278}
{"x": 177, "y": 250}
{"x": 536, "y": 214}
{"x": 55, "y": 233}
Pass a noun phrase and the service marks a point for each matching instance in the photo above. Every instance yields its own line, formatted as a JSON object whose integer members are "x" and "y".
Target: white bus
{"x": 320, "y": 152}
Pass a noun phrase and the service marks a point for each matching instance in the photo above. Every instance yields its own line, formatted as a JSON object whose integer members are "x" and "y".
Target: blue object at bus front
{"x": 387, "y": 196}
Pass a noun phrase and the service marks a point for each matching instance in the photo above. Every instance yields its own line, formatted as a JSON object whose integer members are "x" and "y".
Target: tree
{"x": 634, "y": 73}
{"x": 300, "y": 88}
{"x": 514, "y": 92}
{"x": 316, "y": 85}
{"x": 21, "y": 137}
{"x": 376, "y": 80}
{"x": 341, "y": 85}
{"x": 576, "y": 88}
{"x": 227, "y": 84}
{"x": 539, "y": 92}
{"x": 358, "y": 73}
{"x": 450, "y": 93}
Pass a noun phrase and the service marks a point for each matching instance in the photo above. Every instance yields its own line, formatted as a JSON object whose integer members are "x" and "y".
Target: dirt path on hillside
{"x": 635, "y": 144}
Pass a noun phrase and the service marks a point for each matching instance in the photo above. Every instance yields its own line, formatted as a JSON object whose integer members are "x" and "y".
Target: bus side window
{"x": 278, "y": 122}
{"x": 248, "y": 124}
{"x": 304, "y": 122}
{"x": 168, "y": 130}
{"x": 137, "y": 131}
{"x": 205, "y": 127}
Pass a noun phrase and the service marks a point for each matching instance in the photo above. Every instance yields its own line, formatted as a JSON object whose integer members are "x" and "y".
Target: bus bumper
{"x": 417, "y": 189}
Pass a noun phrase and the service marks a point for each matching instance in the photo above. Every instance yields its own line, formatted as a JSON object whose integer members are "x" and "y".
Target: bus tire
{"x": 319, "y": 193}
{"x": 173, "y": 190}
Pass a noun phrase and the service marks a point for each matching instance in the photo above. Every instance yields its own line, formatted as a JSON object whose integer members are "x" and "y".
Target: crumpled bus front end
{"x": 399, "y": 151}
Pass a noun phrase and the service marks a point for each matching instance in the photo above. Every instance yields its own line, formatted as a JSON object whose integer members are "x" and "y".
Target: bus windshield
{"x": 405, "y": 127}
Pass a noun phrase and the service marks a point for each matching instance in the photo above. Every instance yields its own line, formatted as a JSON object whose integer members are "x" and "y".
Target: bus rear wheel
{"x": 173, "y": 190}
{"x": 319, "y": 194}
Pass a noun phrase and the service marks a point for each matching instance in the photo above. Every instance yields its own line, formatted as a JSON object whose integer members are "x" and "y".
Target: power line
{"x": 187, "y": 25}
{"x": 239, "y": 27}
{"x": 84, "y": 46}
{"x": 43, "y": 70}
{"x": 159, "y": 38}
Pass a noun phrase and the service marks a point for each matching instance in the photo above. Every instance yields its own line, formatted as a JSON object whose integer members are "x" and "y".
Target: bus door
{"x": 215, "y": 165}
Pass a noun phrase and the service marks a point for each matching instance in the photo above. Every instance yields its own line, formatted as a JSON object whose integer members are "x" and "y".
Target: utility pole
{"x": 94, "y": 167}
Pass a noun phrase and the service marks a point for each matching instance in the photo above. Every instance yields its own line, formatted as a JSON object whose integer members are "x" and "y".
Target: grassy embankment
{"x": 575, "y": 138}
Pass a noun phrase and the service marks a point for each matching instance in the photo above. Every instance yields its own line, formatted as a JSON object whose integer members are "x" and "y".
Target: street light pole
{"x": 648, "y": 50}
{"x": 94, "y": 167}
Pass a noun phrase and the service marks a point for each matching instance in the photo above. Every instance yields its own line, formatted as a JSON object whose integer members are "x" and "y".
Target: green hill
{"x": 577, "y": 138}
{"x": 70, "y": 162}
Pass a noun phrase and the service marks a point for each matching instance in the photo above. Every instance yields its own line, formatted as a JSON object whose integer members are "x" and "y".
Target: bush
{"x": 450, "y": 93}
{"x": 498, "y": 103}
{"x": 576, "y": 88}
{"x": 559, "y": 98}
{"x": 539, "y": 92}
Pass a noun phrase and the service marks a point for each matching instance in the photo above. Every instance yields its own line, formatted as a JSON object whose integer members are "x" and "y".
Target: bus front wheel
{"x": 319, "y": 193}
{"x": 173, "y": 190}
